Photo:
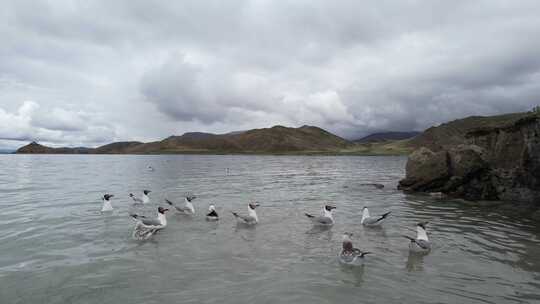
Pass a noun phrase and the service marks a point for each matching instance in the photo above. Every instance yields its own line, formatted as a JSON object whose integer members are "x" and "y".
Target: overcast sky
{"x": 91, "y": 72}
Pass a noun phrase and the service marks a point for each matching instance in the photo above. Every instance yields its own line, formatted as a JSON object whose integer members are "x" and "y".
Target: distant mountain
{"x": 6, "y": 151}
{"x": 277, "y": 139}
{"x": 35, "y": 148}
{"x": 386, "y": 136}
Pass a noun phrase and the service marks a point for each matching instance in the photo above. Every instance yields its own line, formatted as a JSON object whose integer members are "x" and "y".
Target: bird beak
{"x": 165, "y": 210}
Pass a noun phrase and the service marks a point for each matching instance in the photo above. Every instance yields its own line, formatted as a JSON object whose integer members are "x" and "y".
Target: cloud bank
{"x": 144, "y": 70}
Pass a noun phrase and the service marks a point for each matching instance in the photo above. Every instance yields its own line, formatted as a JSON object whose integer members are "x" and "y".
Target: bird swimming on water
{"x": 349, "y": 254}
{"x": 145, "y": 199}
{"x": 421, "y": 243}
{"x": 187, "y": 209}
{"x": 107, "y": 203}
{"x": 146, "y": 227}
{"x": 251, "y": 218}
{"x": 367, "y": 220}
{"x": 212, "y": 214}
{"x": 326, "y": 218}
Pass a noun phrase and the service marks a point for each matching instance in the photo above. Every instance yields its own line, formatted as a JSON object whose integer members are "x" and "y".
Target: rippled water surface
{"x": 57, "y": 247}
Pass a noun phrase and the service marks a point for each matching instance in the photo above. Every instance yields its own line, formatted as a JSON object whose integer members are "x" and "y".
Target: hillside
{"x": 35, "y": 148}
{"x": 386, "y": 136}
{"x": 275, "y": 140}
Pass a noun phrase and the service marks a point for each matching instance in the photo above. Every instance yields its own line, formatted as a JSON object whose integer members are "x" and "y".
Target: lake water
{"x": 57, "y": 247}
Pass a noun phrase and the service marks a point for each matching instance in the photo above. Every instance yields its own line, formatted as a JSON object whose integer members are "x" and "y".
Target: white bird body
{"x": 326, "y": 219}
{"x": 421, "y": 243}
{"x": 188, "y": 207}
{"x": 145, "y": 198}
{"x": 251, "y": 218}
{"x": 146, "y": 227}
{"x": 212, "y": 214}
{"x": 107, "y": 206}
{"x": 367, "y": 220}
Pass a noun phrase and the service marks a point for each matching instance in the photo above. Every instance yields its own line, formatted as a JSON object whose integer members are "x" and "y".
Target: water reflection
{"x": 415, "y": 261}
{"x": 319, "y": 229}
{"x": 355, "y": 271}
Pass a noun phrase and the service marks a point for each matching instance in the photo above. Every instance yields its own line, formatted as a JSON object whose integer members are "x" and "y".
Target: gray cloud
{"x": 103, "y": 71}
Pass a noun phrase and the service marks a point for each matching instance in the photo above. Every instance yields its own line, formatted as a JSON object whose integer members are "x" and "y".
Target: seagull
{"x": 372, "y": 221}
{"x": 421, "y": 243}
{"x": 146, "y": 227}
{"x": 349, "y": 254}
{"x": 326, "y": 219}
{"x": 150, "y": 168}
{"x": 144, "y": 198}
{"x": 251, "y": 218}
{"x": 212, "y": 214}
{"x": 107, "y": 203}
{"x": 188, "y": 208}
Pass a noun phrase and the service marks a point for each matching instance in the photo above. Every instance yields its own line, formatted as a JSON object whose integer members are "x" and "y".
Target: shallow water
{"x": 57, "y": 247}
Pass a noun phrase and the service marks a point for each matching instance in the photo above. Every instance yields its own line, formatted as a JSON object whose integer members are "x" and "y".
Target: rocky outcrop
{"x": 499, "y": 160}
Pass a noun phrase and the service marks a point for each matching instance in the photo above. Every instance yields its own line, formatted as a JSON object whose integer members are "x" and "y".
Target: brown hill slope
{"x": 277, "y": 139}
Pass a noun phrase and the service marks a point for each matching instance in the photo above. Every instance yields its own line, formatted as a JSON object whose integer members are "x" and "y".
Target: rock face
{"x": 499, "y": 160}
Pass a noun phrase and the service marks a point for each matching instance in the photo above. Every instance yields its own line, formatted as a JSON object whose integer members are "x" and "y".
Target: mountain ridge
{"x": 386, "y": 136}
{"x": 276, "y": 139}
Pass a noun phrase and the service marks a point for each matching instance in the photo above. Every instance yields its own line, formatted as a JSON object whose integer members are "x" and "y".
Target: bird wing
{"x": 212, "y": 213}
{"x": 146, "y": 221}
{"x": 409, "y": 238}
{"x": 151, "y": 222}
{"x": 383, "y": 216}
{"x": 179, "y": 209}
{"x": 376, "y": 220}
{"x": 246, "y": 218}
{"x": 360, "y": 252}
{"x": 322, "y": 220}
{"x": 421, "y": 243}
{"x": 370, "y": 221}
